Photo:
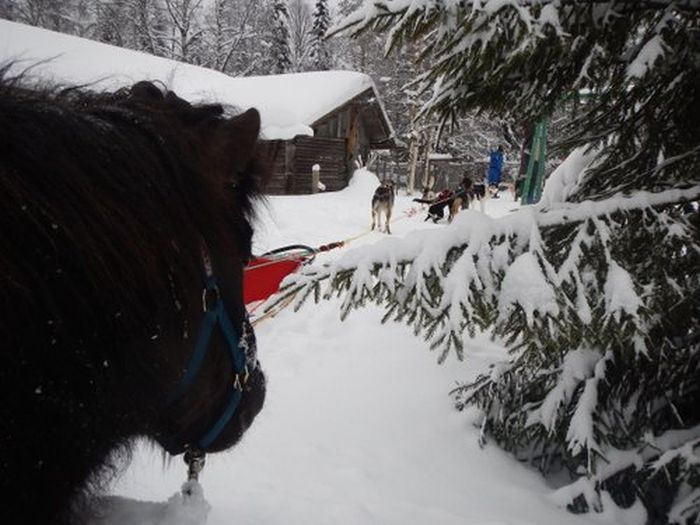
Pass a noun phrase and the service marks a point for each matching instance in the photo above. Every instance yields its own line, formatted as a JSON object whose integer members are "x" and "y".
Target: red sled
{"x": 263, "y": 275}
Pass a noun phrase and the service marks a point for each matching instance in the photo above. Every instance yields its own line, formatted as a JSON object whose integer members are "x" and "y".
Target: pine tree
{"x": 320, "y": 58}
{"x": 595, "y": 291}
{"x": 280, "y": 37}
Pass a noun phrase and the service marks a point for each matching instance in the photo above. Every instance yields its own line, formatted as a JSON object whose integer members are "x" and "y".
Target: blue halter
{"x": 216, "y": 315}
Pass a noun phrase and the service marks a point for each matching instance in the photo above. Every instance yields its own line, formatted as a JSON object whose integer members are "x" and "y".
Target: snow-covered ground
{"x": 358, "y": 426}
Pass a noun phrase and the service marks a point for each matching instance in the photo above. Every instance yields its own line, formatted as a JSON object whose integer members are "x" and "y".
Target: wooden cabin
{"x": 340, "y": 135}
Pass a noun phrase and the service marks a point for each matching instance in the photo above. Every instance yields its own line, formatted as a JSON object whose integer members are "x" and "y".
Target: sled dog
{"x": 383, "y": 204}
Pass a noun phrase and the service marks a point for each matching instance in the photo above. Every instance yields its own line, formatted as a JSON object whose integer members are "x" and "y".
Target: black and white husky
{"x": 481, "y": 192}
{"x": 383, "y": 203}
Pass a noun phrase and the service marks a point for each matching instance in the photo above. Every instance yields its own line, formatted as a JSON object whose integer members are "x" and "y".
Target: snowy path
{"x": 358, "y": 427}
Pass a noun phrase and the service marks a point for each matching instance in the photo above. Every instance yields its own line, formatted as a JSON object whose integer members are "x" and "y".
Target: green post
{"x": 534, "y": 177}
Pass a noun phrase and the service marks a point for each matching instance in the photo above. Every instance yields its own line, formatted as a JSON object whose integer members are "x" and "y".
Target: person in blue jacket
{"x": 495, "y": 169}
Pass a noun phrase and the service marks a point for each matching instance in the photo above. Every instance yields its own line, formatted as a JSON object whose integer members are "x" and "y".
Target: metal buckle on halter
{"x": 237, "y": 384}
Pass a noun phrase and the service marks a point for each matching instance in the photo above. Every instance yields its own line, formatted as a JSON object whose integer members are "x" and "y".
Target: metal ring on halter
{"x": 195, "y": 460}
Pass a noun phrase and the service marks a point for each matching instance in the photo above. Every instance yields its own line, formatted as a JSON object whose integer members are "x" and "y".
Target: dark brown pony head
{"x": 108, "y": 202}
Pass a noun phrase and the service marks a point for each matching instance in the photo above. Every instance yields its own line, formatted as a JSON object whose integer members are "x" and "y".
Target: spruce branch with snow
{"x": 596, "y": 290}
{"x": 604, "y": 367}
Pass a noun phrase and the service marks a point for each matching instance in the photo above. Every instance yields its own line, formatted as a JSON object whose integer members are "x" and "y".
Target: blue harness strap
{"x": 208, "y": 438}
{"x": 217, "y": 315}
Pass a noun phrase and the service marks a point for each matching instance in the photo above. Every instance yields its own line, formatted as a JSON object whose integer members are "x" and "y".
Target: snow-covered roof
{"x": 288, "y": 104}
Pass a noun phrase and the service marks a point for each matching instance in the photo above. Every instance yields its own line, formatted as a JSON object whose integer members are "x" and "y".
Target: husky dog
{"x": 452, "y": 200}
{"x": 481, "y": 192}
{"x": 513, "y": 187}
{"x": 437, "y": 205}
{"x": 383, "y": 202}
{"x": 460, "y": 198}
{"x": 427, "y": 193}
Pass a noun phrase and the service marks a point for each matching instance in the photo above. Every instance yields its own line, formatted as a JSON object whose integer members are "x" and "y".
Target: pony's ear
{"x": 146, "y": 90}
{"x": 237, "y": 138}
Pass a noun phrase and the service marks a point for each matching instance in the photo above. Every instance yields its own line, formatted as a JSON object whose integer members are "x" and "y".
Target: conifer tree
{"x": 320, "y": 58}
{"x": 280, "y": 36}
{"x": 596, "y": 290}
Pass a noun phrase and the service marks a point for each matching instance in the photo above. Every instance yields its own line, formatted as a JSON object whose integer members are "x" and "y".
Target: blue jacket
{"x": 495, "y": 166}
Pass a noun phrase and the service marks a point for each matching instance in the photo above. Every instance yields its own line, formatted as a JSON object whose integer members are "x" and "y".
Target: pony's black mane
{"x": 107, "y": 200}
{"x": 129, "y": 195}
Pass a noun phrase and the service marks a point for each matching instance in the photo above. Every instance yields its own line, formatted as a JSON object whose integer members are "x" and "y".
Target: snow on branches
{"x": 597, "y": 302}
{"x": 596, "y": 292}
